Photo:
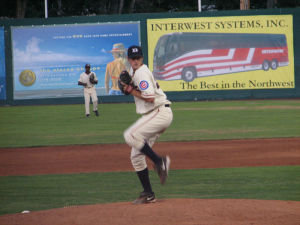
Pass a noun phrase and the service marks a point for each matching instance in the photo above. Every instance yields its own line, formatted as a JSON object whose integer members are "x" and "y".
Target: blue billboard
{"x": 48, "y": 60}
{"x": 2, "y": 66}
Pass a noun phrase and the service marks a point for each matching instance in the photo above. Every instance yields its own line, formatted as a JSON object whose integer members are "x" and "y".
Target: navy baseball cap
{"x": 134, "y": 52}
{"x": 87, "y": 65}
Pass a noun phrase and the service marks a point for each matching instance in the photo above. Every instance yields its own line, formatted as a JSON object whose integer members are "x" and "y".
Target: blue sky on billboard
{"x": 69, "y": 44}
{"x": 51, "y": 57}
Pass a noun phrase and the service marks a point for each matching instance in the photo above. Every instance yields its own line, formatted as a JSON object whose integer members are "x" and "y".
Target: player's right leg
{"x": 139, "y": 164}
{"x": 161, "y": 163}
{"x": 95, "y": 102}
{"x": 87, "y": 103}
{"x": 148, "y": 128}
{"x": 144, "y": 198}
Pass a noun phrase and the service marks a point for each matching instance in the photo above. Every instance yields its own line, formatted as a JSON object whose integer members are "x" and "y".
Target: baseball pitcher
{"x": 156, "y": 116}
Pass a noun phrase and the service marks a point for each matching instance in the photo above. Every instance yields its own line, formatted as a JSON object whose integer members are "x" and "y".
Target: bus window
{"x": 192, "y": 42}
{"x": 172, "y": 49}
{"x": 160, "y": 52}
{"x": 160, "y": 47}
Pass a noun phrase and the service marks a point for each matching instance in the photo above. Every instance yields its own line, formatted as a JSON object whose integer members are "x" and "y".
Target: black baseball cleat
{"x": 87, "y": 115}
{"x": 162, "y": 169}
{"x": 96, "y": 113}
{"x": 144, "y": 198}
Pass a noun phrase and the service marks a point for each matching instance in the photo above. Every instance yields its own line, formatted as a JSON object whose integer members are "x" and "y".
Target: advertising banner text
{"x": 222, "y": 53}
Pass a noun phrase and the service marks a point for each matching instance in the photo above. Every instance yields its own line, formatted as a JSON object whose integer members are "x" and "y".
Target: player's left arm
{"x": 141, "y": 88}
{"x": 95, "y": 79}
{"x": 138, "y": 94}
{"x": 145, "y": 90}
{"x": 133, "y": 90}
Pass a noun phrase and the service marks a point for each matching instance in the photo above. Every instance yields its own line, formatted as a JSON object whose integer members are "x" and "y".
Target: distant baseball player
{"x": 88, "y": 79}
{"x": 156, "y": 117}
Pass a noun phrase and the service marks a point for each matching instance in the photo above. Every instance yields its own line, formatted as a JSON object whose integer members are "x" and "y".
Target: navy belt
{"x": 166, "y": 105}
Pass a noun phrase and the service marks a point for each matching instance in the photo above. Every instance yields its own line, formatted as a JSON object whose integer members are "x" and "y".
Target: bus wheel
{"x": 266, "y": 65}
{"x": 274, "y": 64}
{"x": 188, "y": 74}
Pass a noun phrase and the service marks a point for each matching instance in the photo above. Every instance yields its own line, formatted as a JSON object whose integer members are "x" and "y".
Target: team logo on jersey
{"x": 143, "y": 85}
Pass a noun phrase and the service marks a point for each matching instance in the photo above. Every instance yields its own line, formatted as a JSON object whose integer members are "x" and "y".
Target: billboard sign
{"x": 48, "y": 60}
{"x": 225, "y": 53}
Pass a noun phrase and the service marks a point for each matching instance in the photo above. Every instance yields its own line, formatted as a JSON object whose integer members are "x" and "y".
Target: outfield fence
{"x": 252, "y": 54}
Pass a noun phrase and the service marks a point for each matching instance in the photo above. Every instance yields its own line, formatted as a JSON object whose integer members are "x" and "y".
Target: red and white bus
{"x": 187, "y": 56}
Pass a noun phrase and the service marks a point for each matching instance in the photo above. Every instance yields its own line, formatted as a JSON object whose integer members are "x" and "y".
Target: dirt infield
{"x": 171, "y": 211}
{"x": 184, "y": 155}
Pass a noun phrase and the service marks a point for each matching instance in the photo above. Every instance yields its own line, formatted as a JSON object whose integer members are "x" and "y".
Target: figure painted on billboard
{"x": 114, "y": 68}
{"x": 88, "y": 80}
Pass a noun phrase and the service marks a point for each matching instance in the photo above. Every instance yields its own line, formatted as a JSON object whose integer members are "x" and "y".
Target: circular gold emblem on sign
{"x": 27, "y": 77}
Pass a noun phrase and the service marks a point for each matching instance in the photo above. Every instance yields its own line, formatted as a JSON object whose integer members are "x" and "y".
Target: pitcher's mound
{"x": 167, "y": 212}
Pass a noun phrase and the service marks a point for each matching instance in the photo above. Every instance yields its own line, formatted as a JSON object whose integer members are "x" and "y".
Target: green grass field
{"x": 24, "y": 126}
{"x": 33, "y": 193}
